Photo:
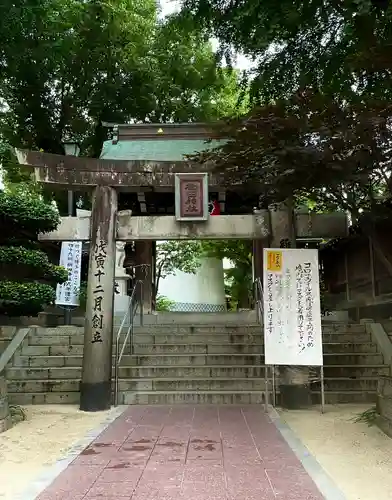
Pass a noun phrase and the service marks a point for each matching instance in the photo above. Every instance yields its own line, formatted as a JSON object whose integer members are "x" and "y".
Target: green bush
{"x": 83, "y": 295}
{"x": 28, "y": 279}
{"x": 163, "y": 303}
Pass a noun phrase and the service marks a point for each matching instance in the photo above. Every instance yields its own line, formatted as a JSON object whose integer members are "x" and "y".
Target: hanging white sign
{"x": 292, "y": 316}
{"x": 67, "y": 294}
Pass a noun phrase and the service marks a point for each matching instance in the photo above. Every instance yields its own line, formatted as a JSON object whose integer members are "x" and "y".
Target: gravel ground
{"x": 46, "y": 436}
{"x": 357, "y": 457}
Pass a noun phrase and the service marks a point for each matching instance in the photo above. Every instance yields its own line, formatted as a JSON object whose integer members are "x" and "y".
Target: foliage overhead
{"x": 335, "y": 154}
{"x": 66, "y": 66}
{"x": 27, "y": 278}
{"x": 339, "y": 47}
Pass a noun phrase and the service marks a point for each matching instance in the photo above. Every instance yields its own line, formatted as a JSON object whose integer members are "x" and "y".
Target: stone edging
{"x": 322, "y": 480}
{"x": 380, "y": 337}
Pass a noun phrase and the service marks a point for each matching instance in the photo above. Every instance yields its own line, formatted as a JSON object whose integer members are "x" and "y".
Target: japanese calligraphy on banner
{"x": 292, "y": 316}
{"x": 191, "y": 195}
{"x": 67, "y": 294}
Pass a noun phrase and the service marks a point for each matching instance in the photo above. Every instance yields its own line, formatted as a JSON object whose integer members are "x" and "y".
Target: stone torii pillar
{"x": 96, "y": 385}
{"x": 102, "y": 177}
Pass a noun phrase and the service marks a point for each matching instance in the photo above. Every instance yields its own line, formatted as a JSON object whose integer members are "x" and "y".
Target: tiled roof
{"x": 156, "y": 150}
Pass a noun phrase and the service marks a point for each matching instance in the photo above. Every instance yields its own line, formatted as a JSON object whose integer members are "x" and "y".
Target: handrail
{"x": 259, "y": 298}
{"x": 131, "y": 313}
{"x": 13, "y": 346}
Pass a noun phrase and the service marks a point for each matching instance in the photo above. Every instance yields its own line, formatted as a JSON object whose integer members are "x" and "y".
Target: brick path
{"x": 190, "y": 453}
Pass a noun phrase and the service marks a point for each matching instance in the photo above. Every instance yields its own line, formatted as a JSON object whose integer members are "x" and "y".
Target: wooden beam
{"x": 65, "y": 171}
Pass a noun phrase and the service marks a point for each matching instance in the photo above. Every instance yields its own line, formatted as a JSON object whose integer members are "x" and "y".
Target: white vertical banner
{"x": 67, "y": 294}
{"x": 292, "y": 314}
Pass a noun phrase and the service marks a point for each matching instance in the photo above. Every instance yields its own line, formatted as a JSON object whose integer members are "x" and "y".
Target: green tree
{"x": 176, "y": 255}
{"x": 334, "y": 154}
{"x": 65, "y": 67}
{"x": 27, "y": 278}
{"x": 339, "y": 47}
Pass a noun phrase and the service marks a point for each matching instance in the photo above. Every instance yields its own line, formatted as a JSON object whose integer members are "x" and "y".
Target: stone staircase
{"x": 199, "y": 363}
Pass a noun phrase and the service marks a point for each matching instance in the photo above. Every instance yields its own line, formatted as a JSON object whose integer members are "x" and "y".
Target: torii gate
{"x": 106, "y": 178}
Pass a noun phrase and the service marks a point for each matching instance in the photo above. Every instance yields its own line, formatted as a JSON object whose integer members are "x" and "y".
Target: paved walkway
{"x": 190, "y": 453}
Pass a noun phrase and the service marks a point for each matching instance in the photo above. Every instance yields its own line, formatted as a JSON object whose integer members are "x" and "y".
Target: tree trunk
{"x": 157, "y": 279}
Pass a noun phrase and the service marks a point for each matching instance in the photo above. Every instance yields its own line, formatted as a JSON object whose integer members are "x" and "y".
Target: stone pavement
{"x": 186, "y": 452}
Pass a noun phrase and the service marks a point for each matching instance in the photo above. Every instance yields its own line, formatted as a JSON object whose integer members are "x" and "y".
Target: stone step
{"x": 42, "y": 398}
{"x": 45, "y": 361}
{"x": 51, "y": 350}
{"x": 126, "y": 372}
{"x": 243, "y": 384}
{"x": 190, "y": 339}
{"x": 196, "y": 359}
{"x": 192, "y": 397}
{"x": 162, "y": 384}
{"x": 67, "y": 344}
{"x": 70, "y": 373}
{"x": 189, "y": 397}
{"x": 353, "y": 359}
{"x": 234, "y": 397}
{"x": 197, "y": 349}
{"x": 357, "y": 371}
{"x": 345, "y": 397}
{"x": 196, "y": 384}
{"x": 183, "y": 384}
{"x": 159, "y": 329}
{"x": 329, "y": 348}
{"x": 349, "y": 347}
{"x": 42, "y": 385}
{"x": 224, "y": 338}
{"x": 348, "y": 384}
{"x": 337, "y": 372}
{"x": 242, "y": 329}
{"x": 347, "y": 337}
{"x": 352, "y": 328}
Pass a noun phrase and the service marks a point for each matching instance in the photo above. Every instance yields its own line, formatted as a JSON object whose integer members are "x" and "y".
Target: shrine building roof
{"x": 154, "y": 150}
{"x": 157, "y": 142}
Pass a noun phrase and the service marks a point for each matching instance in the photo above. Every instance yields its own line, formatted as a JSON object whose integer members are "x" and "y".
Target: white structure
{"x": 203, "y": 291}
{"x": 121, "y": 299}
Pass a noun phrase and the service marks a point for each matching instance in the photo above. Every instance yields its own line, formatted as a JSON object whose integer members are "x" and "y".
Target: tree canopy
{"x": 27, "y": 278}
{"x": 66, "y": 66}
{"x": 339, "y": 47}
{"x": 336, "y": 154}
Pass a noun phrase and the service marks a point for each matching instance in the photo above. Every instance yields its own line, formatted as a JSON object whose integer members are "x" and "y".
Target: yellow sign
{"x": 274, "y": 261}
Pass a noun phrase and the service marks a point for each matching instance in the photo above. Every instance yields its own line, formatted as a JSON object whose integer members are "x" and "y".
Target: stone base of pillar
{"x": 95, "y": 397}
{"x": 295, "y": 397}
{"x": 294, "y": 387}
